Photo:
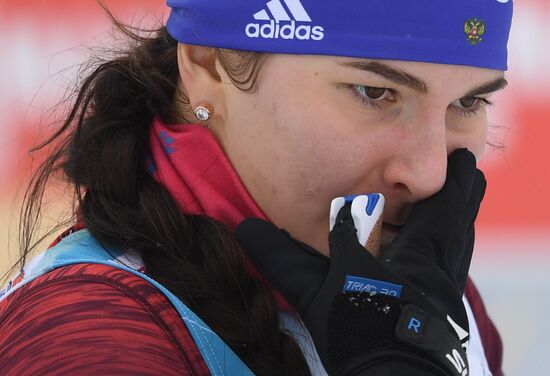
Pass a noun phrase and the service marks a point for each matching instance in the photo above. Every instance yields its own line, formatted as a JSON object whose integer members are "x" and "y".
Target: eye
{"x": 373, "y": 97}
{"x": 373, "y": 93}
{"x": 469, "y": 106}
{"x": 466, "y": 102}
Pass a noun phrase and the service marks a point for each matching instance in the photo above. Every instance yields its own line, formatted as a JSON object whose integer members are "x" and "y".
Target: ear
{"x": 202, "y": 82}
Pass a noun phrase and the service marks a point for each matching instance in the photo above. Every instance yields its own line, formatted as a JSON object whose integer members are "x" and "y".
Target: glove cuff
{"x": 377, "y": 327}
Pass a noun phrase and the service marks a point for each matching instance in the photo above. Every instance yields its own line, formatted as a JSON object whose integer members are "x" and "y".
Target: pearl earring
{"x": 203, "y": 113}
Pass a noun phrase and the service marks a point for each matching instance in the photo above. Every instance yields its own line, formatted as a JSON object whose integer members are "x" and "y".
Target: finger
{"x": 343, "y": 236}
{"x": 459, "y": 260}
{"x": 294, "y": 269}
{"x": 478, "y": 190}
{"x": 346, "y": 252}
{"x": 462, "y": 168}
{"x": 463, "y": 265}
{"x": 435, "y": 221}
{"x": 463, "y": 268}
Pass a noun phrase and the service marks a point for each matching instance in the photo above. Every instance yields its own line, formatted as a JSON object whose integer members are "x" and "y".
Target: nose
{"x": 418, "y": 167}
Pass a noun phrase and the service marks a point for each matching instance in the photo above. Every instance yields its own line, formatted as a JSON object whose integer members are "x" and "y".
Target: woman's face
{"x": 319, "y": 127}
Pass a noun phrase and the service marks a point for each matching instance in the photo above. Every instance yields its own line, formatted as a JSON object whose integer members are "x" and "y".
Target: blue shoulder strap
{"x": 81, "y": 247}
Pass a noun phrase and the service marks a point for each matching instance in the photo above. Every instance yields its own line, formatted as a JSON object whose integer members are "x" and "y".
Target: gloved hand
{"x": 417, "y": 316}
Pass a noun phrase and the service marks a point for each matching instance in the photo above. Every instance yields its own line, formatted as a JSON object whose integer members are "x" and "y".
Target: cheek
{"x": 472, "y": 134}
{"x": 481, "y": 143}
{"x": 317, "y": 147}
{"x": 320, "y": 150}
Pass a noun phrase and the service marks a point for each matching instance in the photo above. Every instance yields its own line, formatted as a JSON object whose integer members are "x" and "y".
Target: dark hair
{"x": 101, "y": 148}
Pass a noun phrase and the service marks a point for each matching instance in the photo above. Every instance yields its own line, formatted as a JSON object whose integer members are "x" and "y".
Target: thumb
{"x": 295, "y": 269}
{"x": 357, "y": 225}
{"x": 343, "y": 236}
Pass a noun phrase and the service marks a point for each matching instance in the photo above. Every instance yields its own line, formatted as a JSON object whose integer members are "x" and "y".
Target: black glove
{"x": 422, "y": 274}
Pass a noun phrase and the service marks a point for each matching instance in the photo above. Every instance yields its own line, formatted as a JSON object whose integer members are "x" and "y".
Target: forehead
{"x": 422, "y": 77}
{"x": 432, "y": 70}
{"x": 422, "y": 70}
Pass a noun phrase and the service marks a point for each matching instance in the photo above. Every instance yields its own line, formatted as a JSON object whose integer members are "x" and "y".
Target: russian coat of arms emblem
{"x": 474, "y": 30}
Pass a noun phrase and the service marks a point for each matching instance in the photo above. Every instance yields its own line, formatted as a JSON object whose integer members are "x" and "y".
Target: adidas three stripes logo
{"x": 278, "y": 11}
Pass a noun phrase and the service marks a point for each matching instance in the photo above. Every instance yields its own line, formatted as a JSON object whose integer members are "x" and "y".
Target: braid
{"x": 195, "y": 257}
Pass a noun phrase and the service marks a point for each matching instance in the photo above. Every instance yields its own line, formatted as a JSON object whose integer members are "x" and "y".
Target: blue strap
{"x": 81, "y": 247}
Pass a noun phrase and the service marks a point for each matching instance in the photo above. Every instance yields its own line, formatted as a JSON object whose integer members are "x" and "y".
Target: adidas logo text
{"x": 280, "y": 25}
{"x": 287, "y": 31}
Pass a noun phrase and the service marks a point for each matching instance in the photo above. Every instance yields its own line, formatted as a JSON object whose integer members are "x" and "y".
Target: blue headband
{"x": 462, "y": 32}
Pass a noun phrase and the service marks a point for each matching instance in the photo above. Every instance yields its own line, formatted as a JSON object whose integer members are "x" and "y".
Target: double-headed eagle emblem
{"x": 474, "y": 29}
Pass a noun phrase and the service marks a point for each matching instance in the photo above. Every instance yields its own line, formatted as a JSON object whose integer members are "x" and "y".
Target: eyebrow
{"x": 403, "y": 78}
{"x": 489, "y": 87}
{"x": 389, "y": 73}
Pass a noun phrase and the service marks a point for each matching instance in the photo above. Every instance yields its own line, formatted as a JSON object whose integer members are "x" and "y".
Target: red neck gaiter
{"x": 188, "y": 161}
